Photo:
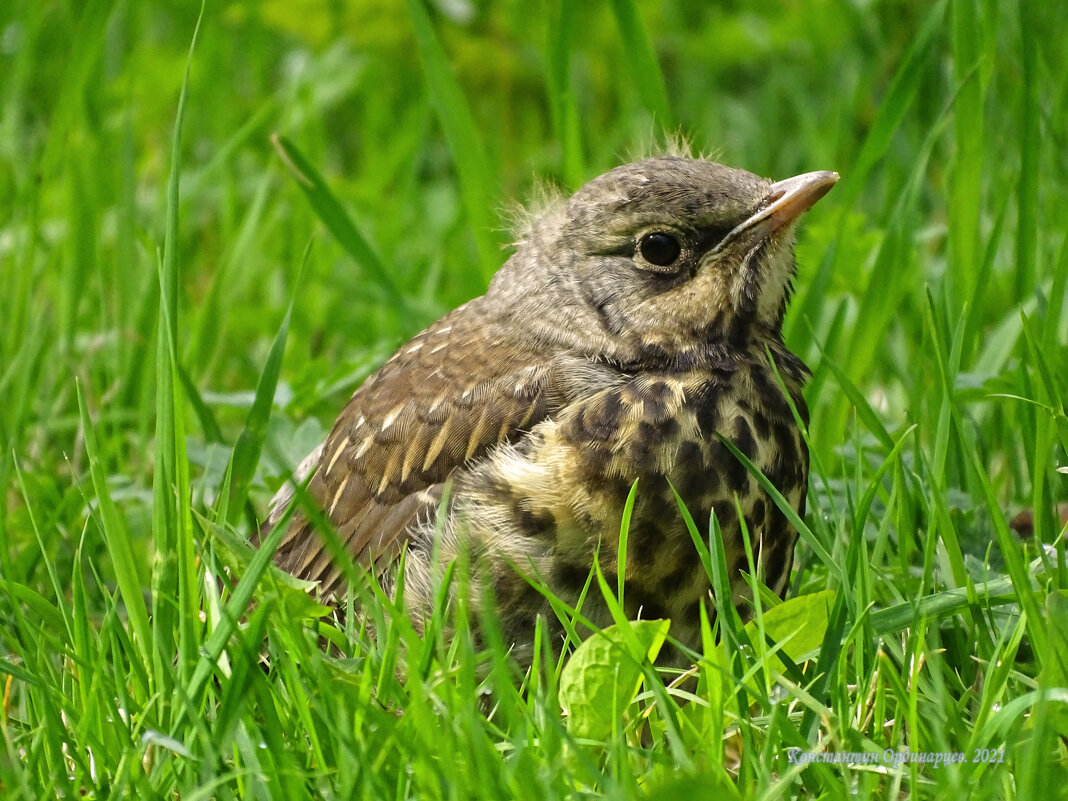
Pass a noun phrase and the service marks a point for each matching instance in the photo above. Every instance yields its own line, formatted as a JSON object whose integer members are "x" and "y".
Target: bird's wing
{"x": 462, "y": 386}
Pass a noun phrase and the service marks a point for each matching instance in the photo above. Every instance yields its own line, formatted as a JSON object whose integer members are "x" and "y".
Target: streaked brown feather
{"x": 410, "y": 426}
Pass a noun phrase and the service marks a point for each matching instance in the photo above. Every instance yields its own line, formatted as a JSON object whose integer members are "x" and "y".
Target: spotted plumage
{"x": 631, "y": 332}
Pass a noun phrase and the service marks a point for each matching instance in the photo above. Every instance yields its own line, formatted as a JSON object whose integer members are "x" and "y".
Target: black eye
{"x": 659, "y": 248}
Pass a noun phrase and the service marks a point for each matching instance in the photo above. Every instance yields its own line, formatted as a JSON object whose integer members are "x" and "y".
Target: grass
{"x": 186, "y": 305}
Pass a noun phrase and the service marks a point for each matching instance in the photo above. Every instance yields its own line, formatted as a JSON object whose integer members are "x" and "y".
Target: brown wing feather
{"x": 465, "y": 384}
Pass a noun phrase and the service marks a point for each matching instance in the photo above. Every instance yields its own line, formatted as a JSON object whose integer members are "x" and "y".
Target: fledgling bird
{"x": 629, "y": 331}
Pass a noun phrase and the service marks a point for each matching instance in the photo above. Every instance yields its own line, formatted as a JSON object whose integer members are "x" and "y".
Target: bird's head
{"x": 669, "y": 252}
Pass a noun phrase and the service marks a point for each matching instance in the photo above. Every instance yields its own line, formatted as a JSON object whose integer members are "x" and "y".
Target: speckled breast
{"x": 663, "y": 430}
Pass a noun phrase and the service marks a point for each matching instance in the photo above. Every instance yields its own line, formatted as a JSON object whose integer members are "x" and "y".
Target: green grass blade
{"x": 209, "y": 426}
{"x": 562, "y": 31}
{"x": 642, "y": 62}
{"x": 239, "y": 601}
{"x": 117, "y": 539}
{"x": 1030, "y": 148}
{"x": 860, "y": 404}
{"x": 624, "y": 536}
{"x": 791, "y": 514}
{"x": 249, "y": 443}
{"x": 174, "y": 584}
{"x": 896, "y": 103}
{"x": 469, "y": 151}
{"x": 965, "y": 190}
{"x": 699, "y": 544}
{"x": 1017, "y": 569}
{"x": 337, "y": 221}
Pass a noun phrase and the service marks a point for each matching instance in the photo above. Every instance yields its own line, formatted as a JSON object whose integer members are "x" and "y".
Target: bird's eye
{"x": 659, "y": 248}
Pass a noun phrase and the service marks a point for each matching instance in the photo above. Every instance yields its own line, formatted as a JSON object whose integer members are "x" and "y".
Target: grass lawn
{"x": 209, "y": 236}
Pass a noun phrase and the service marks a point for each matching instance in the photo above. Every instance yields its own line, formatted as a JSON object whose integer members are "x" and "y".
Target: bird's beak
{"x": 785, "y": 202}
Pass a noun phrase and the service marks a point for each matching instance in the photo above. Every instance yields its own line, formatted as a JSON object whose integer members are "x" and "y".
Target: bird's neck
{"x": 713, "y": 354}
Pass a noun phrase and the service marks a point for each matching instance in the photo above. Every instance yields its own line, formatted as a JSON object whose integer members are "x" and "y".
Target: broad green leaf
{"x": 604, "y": 674}
{"x": 798, "y": 625}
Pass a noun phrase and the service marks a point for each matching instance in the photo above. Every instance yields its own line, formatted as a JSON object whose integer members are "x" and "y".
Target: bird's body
{"x": 634, "y": 328}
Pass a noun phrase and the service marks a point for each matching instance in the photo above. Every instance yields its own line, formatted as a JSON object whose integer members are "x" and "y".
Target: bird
{"x": 635, "y": 329}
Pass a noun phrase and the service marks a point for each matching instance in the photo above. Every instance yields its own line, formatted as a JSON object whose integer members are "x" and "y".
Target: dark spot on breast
{"x": 650, "y": 608}
{"x": 659, "y": 543}
{"x": 607, "y": 486}
{"x": 587, "y": 522}
{"x": 756, "y": 515}
{"x": 705, "y": 403}
{"x": 656, "y": 397}
{"x": 778, "y": 525}
{"x": 692, "y": 613}
{"x": 643, "y": 446}
{"x": 733, "y": 471}
{"x": 685, "y": 360}
{"x": 539, "y": 524}
{"x": 506, "y": 585}
{"x": 789, "y": 468}
{"x": 728, "y": 522}
{"x": 529, "y": 598}
{"x": 768, "y": 394}
{"x": 743, "y": 437}
{"x": 667, "y": 429}
{"x": 761, "y": 424}
{"x": 595, "y": 458}
{"x": 777, "y": 558}
{"x": 792, "y": 479}
{"x": 784, "y": 437}
{"x": 787, "y": 471}
{"x": 657, "y": 503}
{"x": 569, "y": 577}
{"x": 644, "y": 544}
{"x": 597, "y": 420}
{"x": 651, "y": 353}
{"x": 736, "y": 332}
{"x": 694, "y": 480}
{"x": 680, "y": 578}
{"x": 739, "y": 564}
{"x": 690, "y": 456}
{"x": 517, "y": 625}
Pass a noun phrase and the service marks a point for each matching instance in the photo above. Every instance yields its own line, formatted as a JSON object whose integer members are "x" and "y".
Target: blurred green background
{"x": 360, "y": 162}
{"x": 429, "y": 122}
